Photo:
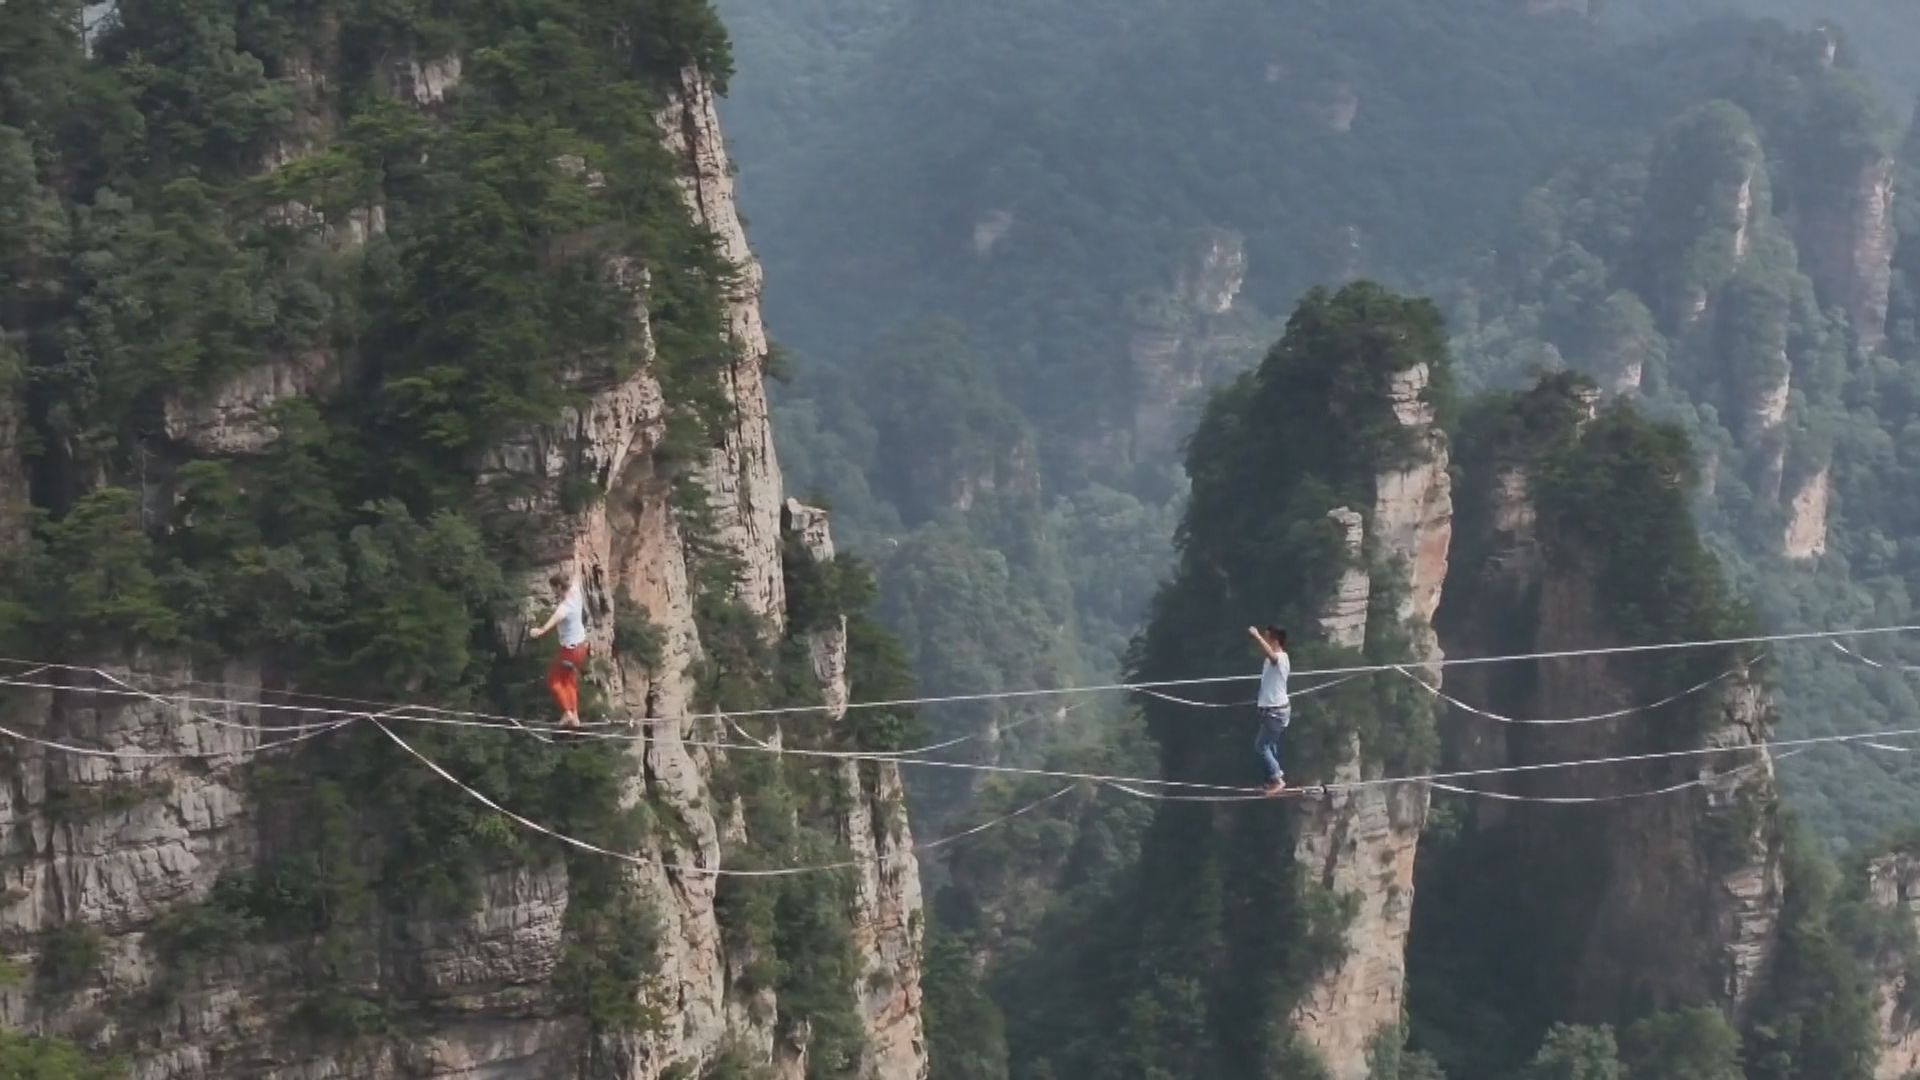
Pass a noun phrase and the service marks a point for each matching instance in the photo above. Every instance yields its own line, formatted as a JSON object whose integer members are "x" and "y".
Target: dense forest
{"x": 1090, "y": 268}
{"x": 332, "y": 331}
{"x": 1098, "y": 227}
{"x": 328, "y": 331}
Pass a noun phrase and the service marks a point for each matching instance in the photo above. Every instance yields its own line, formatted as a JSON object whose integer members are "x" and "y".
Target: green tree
{"x": 1572, "y": 1052}
{"x": 1690, "y": 1044}
{"x": 25, "y": 1057}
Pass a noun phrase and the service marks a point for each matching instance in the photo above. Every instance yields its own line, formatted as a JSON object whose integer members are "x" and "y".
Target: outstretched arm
{"x": 1265, "y": 645}
{"x": 552, "y": 621}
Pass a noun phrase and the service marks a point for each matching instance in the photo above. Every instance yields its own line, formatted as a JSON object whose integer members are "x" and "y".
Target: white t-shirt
{"x": 1273, "y": 682}
{"x": 573, "y": 622}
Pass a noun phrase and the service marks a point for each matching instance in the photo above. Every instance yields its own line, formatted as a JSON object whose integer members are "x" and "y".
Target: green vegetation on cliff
{"x": 428, "y": 229}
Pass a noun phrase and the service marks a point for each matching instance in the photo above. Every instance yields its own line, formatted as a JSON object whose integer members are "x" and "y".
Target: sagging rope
{"x": 170, "y": 755}
{"x": 1060, "y": 714}
{"x": 1871, "y": 662}
{"x": 1248, "y": 703}
{"x": 1594, "y": 718}
{"x": 886, "y": 756}
{"x": 1006, "y": 695}
{"x": 1122, "y": 784}
{"x": 1564, "y": 800}
{"x": 711, "y": 871}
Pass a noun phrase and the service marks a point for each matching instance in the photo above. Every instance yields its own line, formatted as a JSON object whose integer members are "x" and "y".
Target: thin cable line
{"x": 171, "y": 681}
{"x": 1361, "y": 669}
{"x": 885, "y": 756}
{"x": 712, "y": 871}
{"x": 1585, "y": 800}
{"x": 1302, "y": 692}
{"x": 1056, "y": 715}
{"x": 1871, "y": 662}
{"x": 170, "y": 755}
{"x": 1121, "y": 782}
{"x": 1596, "y": 717}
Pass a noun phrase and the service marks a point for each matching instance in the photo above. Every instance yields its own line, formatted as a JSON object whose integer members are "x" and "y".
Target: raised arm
{"x": 1266, "y": 646}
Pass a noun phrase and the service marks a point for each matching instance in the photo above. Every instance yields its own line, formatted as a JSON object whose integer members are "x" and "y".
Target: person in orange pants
{"x": 563, "y": 675}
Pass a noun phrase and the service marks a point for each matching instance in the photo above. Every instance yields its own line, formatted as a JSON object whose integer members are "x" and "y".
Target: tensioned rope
{"x": 884, "y": 756}
{"x": 1005, "y": 695}
{"x": 1568, "y": 800}
{"x": 398, "y": 713}
{"x": 543, "y": 734}
{"x": 170, "y": 682}
{"x": 171, "y": 755}
{"x": 914, "y": 752}
{"x": 1431, "y": 779}
{"x": 844, "y": 755}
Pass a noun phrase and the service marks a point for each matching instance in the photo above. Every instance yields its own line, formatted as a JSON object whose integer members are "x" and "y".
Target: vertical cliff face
{"x": 1706, "y": 191}
{"x": 1188, "y": 338}
{"x": 1893, "y": 886}
{"x": 1846, "y": 237}
{"x": 14, "y": 496}
{"x": 104, "y": 853}
{"x": 742, "y": 476}
{"x": 1361, "y": 844}
{"x": 1667, "y": 900}
{"x": 1806, "y": 531}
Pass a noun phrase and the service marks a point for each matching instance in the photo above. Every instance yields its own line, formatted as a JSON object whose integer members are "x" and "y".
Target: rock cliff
{"x": 1893, "y": 886}
{"x": 106, "y": 854}
{"x": 1846, "y": 235}
{"x": 1189, "y": 338}
{"x": 1361, "y": 844}
{"x": 1688, "y": 912}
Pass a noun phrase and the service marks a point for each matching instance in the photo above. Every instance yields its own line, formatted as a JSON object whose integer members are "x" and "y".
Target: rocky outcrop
{"x": 236, "y": 417}
{"x": 424, "y": 83}
{"x": 1806, "y": 534}
{"x": 887, "y": 916}
{"x": 1212, "y": 272}
{"x": 1687, "y": 908}
{"x": 1710, "y": 864}
{"x": 1344, "y": 622}
{"x": 14, "y": 494}
{"x": 742, "y": 474}
{"x": 939, "y": 479}
{"x": 1413, "y": 511}
{"x": 1893, "y": 885}
{"x": 114, "y": 844}
{"x": 991, "y": 228}
{"x": 1189, "y": 338}
{"x": 1846, "y": 237}
{"x": 827, "y": 648}
{"x": 887, "y": 922}
{"x": 1337, "y": 107}
{"x": 1707, "y": 194}
{"x": 1361, "y": 843}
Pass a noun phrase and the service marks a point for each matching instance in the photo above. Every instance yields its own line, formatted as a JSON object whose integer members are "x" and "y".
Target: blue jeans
{"x": 1273, "y": 728}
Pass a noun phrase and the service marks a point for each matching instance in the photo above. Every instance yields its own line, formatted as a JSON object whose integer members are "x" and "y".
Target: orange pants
{"x": 563, "y": 677}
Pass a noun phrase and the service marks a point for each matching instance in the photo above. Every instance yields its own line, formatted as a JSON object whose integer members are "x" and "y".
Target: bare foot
{"x": 1274, "y": 787}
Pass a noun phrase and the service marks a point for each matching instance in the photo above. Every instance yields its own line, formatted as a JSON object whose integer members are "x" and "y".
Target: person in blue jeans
{"x": 1272, "y": 706}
